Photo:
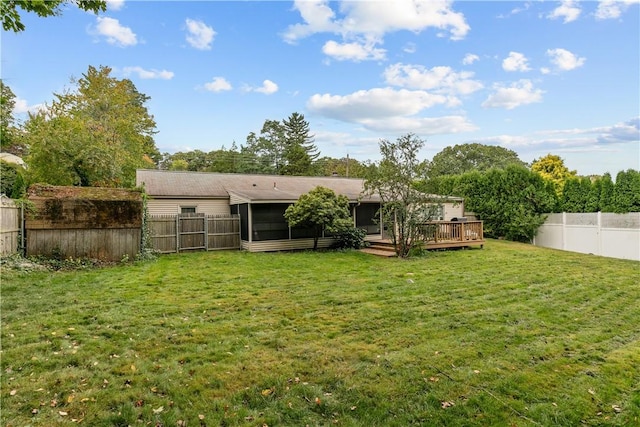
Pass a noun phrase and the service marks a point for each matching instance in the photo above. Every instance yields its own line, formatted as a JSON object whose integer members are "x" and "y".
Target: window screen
{"x": 269, "y": 222}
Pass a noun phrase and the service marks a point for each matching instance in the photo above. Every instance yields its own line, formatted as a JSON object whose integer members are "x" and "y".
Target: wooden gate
{"x": 192, "y": 232}
{"x": 175, "y": 233}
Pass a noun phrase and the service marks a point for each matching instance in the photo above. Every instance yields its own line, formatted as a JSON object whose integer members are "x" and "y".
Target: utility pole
{"x": 347, "y": 165}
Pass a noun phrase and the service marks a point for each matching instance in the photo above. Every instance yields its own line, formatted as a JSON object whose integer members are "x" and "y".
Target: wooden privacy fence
{"x": 10, "y": 226}
{"x": 175, "y": 233}
{"x": 84, "y": 222}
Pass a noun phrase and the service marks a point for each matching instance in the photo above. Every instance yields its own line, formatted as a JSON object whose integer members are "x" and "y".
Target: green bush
{"x": 350, "y": 238}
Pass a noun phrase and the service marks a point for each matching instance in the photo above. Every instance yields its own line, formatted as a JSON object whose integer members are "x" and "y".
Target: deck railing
{"x": 452, "y": 231}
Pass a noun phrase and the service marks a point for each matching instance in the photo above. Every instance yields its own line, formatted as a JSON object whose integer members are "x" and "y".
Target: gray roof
{"x": 182, "y": 184}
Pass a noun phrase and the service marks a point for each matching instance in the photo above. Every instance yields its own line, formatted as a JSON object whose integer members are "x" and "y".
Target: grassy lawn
{"x": 507, "y": 335}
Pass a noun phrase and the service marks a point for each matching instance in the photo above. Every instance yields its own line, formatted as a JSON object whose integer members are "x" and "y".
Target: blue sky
{"x": 560, "y": 77}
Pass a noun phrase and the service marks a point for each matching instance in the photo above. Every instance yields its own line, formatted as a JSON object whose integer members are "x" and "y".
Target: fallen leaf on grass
{"x": 616, "y": 408}
{"x": 63, "y": 414}
{"x": 267, "y": 392}
{"x": 158, "y": 410}
{"x": 447, "y": 404}
{"x": 13, "y": 392}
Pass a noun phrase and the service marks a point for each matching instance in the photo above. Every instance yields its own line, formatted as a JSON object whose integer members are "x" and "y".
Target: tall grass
{"x": 507, "y": 335}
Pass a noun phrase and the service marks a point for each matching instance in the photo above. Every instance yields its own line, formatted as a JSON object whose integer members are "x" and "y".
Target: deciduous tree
{"x": 11, "y": 19}
{"x": 552, "y": 168}
{"x": 320, "y": 209}
{"x": 95, "y": 135}
{"x": 10, "y": 136}
{"x": 463, "y": 158}
{"x": 404, "y": 208}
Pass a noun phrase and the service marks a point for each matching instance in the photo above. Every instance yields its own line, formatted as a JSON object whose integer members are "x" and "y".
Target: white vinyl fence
{"x": 605, "y": 234}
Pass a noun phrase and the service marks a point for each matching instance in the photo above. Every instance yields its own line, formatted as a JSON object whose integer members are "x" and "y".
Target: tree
{"x": 10, "y": 137}
{"x": 626, "y": 193}
{"x": 606, "y": 193}
{"x": 320, "y": 209}
{"x": 269, "y": 146}
{"x": 11, "y": 20}
{"x": 300, "y": 152}
{"x": 12, "y": 181}
{"x": 552, "y": 168}
{"x": 284, "y": 148}
{"x": 463, "y": 158}
{"x": 346, "y": 167}
{"x": 404, "y": 209}
{"x": 575, "y": 194}
{"x": 511, "y": 201}
{"x": 97, "y": 135}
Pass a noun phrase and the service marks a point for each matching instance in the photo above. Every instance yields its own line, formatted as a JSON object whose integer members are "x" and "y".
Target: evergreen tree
{"x": 606, "y": 193}
{"x": 626, "y": 193}
{"x": 300, "y": 151}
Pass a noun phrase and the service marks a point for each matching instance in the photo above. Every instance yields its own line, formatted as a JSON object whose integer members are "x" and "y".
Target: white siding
{"x": 172, "y": 206}
{"x": 285, "y": 245}
{"x": 453, "y": 210}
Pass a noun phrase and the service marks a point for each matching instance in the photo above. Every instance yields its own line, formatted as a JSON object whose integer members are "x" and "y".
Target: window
{"x": 187, "y": 209}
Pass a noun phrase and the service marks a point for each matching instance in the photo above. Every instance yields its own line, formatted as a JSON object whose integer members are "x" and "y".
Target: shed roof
{"x": 250, "y": 187}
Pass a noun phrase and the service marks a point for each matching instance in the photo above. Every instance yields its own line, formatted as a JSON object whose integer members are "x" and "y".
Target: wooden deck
{"x": 438, "y": 235}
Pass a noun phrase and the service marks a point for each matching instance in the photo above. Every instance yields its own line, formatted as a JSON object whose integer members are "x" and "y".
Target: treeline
{"x": 283, "y": 147}
{"x": 512, "y": 198}
{"x": 244, "y": 160}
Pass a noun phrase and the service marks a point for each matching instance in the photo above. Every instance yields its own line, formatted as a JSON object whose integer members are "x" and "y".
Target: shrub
{"x": 350, "y": 238}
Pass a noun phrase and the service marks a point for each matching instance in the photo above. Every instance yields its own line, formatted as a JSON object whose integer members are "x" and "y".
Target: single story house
{"x": 260, "y": 201}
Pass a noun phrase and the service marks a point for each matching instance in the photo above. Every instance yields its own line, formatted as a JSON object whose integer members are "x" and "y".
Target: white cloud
{"x": 148, "y": 74}
{"x": 569, "y": 140}
{"x": 421, "y": 125}
{"x": 218, "y": 84}
{"x": 115, "y": 4}
{"x": 353, "y": 51}
{"x": 377, "y": 103}
{"x": 470, "y": 58}
{"x": 519, "y": 93}
{"x": 376, "y": 18}
{"x": 22, "y": 107}
{"x": 371, "y": 20}
{"x": 268, "y": 87}
{"x": 115, "y": 33}
{"x": 612, "y": 9}
{"x": 200, "y": 35}
{"x": 565, "y": 60}
{"x": 516, "y": 10}
{"x": 516, "y": 61}
{"x": 440, "y": 80}
{"x": 568, "y": 10}
{"x": 410, "y": 48}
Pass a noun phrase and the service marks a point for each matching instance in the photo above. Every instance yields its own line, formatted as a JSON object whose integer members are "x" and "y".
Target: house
{"x": 260, "y": 201}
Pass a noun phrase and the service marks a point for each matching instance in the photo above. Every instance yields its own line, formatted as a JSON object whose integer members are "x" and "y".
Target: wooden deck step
{"x": 379, "y": 252}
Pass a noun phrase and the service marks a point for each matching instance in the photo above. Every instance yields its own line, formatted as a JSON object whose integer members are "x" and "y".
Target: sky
{"x": 536, "y": 77}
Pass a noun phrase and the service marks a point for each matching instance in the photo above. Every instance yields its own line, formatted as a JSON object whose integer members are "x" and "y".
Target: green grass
{"x": 507, "y": 335}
